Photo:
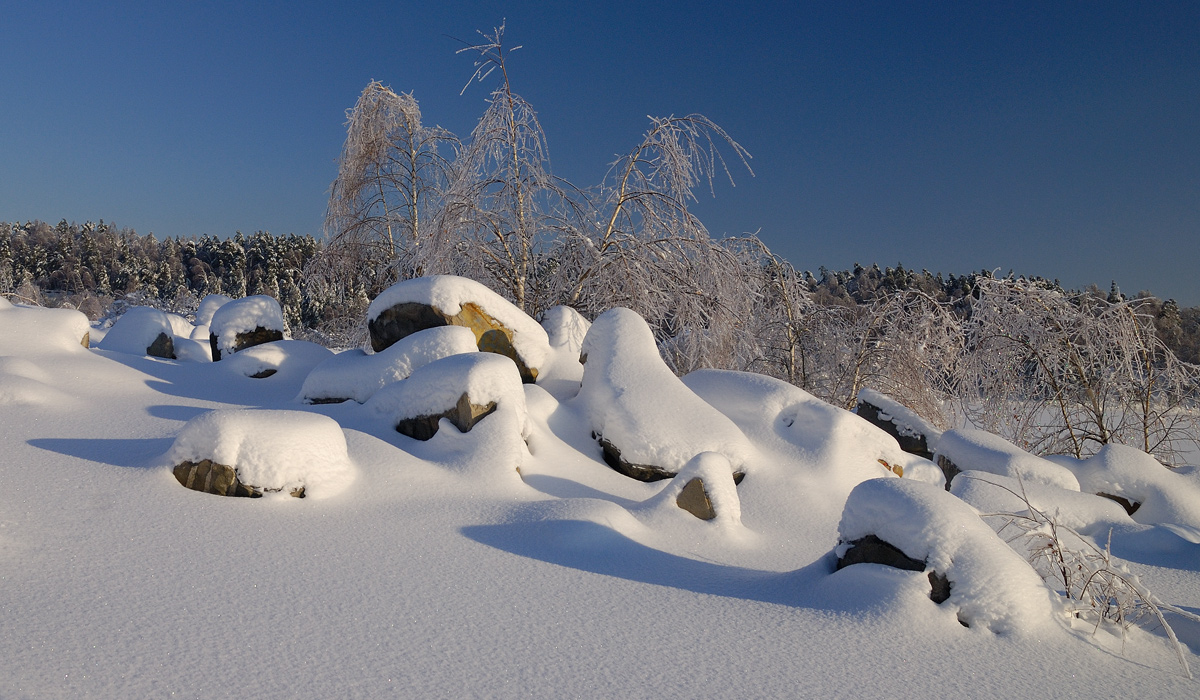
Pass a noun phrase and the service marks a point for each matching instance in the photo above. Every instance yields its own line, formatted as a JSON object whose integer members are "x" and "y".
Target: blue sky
{"x": 1058, "y": 139}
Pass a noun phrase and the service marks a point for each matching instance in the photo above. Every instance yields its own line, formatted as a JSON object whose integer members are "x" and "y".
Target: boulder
{"x": 872, "y": 550}
{"x": 244, "y": 323}
{"x": 443, "y": 300}
{"x": 694, "y": 499}
{"x": 913, "y": 439}
{"x": 141, "y": 330}
{"x": 464, "y": 415}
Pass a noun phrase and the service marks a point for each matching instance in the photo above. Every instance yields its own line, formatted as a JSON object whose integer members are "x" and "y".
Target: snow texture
{"x": 565, "y": 328}
{"x": 633, "y": 400}
{"x": 1083, "y": 512}
{"x": 135, "y": 330}
{"x": 991, "y": 586}
{"x": 208, "y": 307}
{"x": 356, "y": 375}
{"x": 971, "y": 449}
{"x": 448, "y": 293}
{"x": 244, "y": 315}
{"x": 34, "y": 330}
{"x": 272, "y": 450}
{"x": 286, "y": 358}
{"x": 189, "y": 349}
{"x": 907, "y": 422}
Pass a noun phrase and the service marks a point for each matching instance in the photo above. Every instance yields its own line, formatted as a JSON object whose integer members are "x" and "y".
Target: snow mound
{"x": 1083, "y": 512}
{"x": 714, "y": 471}
{"x": 271, "y": 450}
{"x": 190, "y": 349}
{"x": 180, "y": 326}
{"x": 1166, "y": 497}
{"x": 33, "y": 330}
{"x": 287, "y": 358}
{"x": 565, "y": 328}
{"x": 356, "y": 375}
{"x": 208, "y": 307}
{"x": 978, "y": 450}
{"x": 23, "y": 383}
{"x": 436, "y": 387}
{"x": 991, "y": 586}
{"x": 136, "y": 330}
{"x": 633, "y": 400}
{"x": 243, "y": 316}
{"x": 449, "y": 294}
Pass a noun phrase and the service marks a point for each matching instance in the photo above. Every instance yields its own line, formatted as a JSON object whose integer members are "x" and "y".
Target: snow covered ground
{"x": 510, "y": 560}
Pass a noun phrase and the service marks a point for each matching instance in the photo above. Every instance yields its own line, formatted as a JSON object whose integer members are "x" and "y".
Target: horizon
{"x": 1056, "y": 142}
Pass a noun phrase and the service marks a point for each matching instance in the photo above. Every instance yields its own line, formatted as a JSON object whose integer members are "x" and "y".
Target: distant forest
{"x": 100, "y": 268}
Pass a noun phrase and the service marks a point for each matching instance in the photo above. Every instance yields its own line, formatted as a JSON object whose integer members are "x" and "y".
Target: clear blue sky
{"x": 1058, "y": 139}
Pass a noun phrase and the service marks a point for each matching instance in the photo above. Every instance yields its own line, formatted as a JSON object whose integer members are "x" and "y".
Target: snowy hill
{"x": 512, "y": 560}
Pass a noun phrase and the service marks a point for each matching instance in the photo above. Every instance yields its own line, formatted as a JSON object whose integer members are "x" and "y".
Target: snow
{"x": 448, "y": 294}
{"x": 272, "y": 450}
{"x": 136, "y": 330}
{"x": 293, "y": 359}
{"x": 244, "y": 315}
{"x": 1165, "y": 496}
{"x": 971, "y": 449}
{"x": 991, "y": 586}
{"x": 436, "y": 569}
{"x": 208, "y": 307}
{"x": 633, "y": 400}
{"x": 356, "y": 375}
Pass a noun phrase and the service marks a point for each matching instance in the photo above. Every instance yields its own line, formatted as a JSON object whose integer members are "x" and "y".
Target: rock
{"x": 1129, "y": 506}
{"x": 910, "y": 441}
{"x": 241, "y": 341}
{"x": 872, "y": 550}
{"x": 641, "y": 472}
{"x": 209, "y": 477}
{"x": 464, "y": 416}
{"x": 443, "y": 300}
{"x": 694, "y": 499}
{"x": 163, "y": 346}
{"x": 950, "y": 469}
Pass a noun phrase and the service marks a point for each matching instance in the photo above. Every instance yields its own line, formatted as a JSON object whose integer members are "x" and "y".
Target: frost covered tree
{"x": 384, "y": 205}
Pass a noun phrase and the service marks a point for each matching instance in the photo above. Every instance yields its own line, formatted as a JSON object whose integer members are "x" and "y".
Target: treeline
{"x": 91, "y": 266}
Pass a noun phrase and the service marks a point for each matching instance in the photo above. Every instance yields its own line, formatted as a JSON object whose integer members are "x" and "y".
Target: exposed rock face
{"x": 911, "y": 443}
{"x": 258, "y": 336}
{"x": 220, "y": 479}
{"x": 163, "y": 346}
{"x": 872, "y": 550}
{"x": 87, "y": 340}
{"x": 464, "y": 416}
{"x": 950, "y": 469}
{"x": 694, "y": 499}
{"x": 1129, "y": 506}
{"x": 407, "y": 318}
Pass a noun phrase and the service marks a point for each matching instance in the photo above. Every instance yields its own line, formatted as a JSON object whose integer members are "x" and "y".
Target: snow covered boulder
{"x": 444, "y": 300}
{"x": 964, "y": 449}
{"x": 914, "y": 434}
{"x": 918, "y": 526}
{"x": 290, "y": 359}
{"x": 463, "y": 389}
{"x": 141, "y": 331}
{"x": 242, "y": 452}
{"x": 354, "y": 375}
{"x": 649, "y": 424}
{"x": 1151, "y": 493}
{"x": 37, "y": 330}
{"x": 704, "y": 488}
{"x": 243, "y": 323}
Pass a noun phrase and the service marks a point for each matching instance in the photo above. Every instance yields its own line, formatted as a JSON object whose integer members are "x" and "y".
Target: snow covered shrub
{"x": 245, "y": 322}
{"x": 649, "y": 423}
{"x": 990, "y": 585}
{"x": 251, "y": 452}
{"x": 1096, "y": 588}
{"x": 355, "y": 375}
{"x": 440, "y": 300}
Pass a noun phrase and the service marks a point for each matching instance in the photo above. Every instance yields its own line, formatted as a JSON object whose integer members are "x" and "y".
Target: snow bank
{"x": 449, "y": 294}
{"x": 1083, "y": 512}
{"x": 356, "y": 375}
{"x": 23, "y": 383}
{"x": 208, "y": 307}
{"x": 271, "y": 450}
{"x": 26, "y": 330}
{"x": 136, "y": 330}
{"x": 243, "y": 316}
{"x": 288, "y": 358}
{"x": 990, "y": 585}
{"x": 979, "y": 450}
{"x": 1166, "y": 497}
{"x": 633, "y": 400}
{"x": 714, "y": 471}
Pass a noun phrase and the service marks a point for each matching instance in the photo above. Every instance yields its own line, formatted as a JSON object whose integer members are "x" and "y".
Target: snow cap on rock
{"x": 243, "y": 316}
{"x": 136, "y": 330}
{"x": 978, "y": 450}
